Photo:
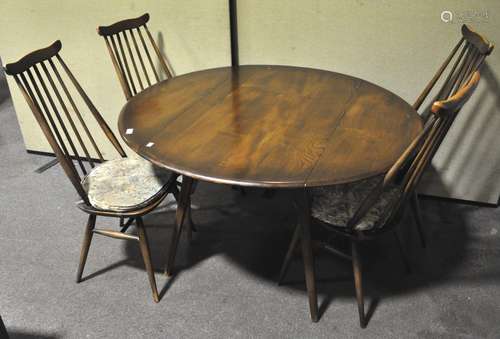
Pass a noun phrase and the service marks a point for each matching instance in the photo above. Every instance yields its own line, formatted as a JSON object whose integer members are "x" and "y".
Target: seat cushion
{"x": 336, "y": 205}
{"x": 124, "y": 184}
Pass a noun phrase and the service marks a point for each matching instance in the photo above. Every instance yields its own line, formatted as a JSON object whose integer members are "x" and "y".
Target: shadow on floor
{"x": 31, "y": 335}
{"x": 253, "y": 233}
{"x": 23, "y": 334}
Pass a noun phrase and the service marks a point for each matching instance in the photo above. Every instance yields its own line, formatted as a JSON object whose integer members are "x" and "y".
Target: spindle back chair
{"x": 420, "y": 152}
{"x": 467, "y": 56}
{"x": 134, "y": 76}
{"x": 129, "y": 41}
{"x": 40, "y": 76}
{"x": 397, "y": 184}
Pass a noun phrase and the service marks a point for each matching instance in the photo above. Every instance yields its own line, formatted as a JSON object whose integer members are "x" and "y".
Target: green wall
{"x": 397, "y": 44}
{"x": 194, "y": 35}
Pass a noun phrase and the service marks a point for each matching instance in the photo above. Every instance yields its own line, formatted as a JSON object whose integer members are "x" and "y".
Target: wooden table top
{"x": 269, "y": 126}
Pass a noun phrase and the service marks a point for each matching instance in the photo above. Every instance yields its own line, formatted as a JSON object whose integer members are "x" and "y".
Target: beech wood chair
{"x": 369, "y": 208}
{"x": 131, "y": 32}
{"x": 466, "y": 57}
{"x": 122, "y": 188}
{"x": 123, "y": 33}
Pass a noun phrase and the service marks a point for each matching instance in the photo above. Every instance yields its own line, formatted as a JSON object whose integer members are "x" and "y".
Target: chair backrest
{"x": 47, "y": 98}
{"x": 126, "y": 32}
{"x": 468, "y": 55}
{"x": 407, "y": 170}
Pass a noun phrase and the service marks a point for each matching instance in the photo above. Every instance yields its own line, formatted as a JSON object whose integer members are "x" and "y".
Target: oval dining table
{"x": 268, "y": 126}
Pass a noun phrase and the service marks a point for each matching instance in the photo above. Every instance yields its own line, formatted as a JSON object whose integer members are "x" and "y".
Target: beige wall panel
{"x": 398, "y": 45}
{"x": 194, "y": 35}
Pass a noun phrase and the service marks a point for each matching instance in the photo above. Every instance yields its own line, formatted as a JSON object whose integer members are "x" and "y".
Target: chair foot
{"x": 146, "y": 256}
{"x": 358, "y": 283}
{"x": 87, "y": 239}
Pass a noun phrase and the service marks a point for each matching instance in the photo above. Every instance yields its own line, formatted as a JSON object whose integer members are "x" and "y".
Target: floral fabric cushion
{"x": 337, "y": 204}
{"x": 124, "y": 184}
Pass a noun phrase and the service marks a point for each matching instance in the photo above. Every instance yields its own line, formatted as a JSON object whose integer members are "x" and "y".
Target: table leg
{"x": 191, "y": 227}
{"x": 304, "y": 213}
{"x": 180, "y": 216}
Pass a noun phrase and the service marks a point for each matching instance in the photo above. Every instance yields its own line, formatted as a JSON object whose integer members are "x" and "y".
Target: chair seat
{"x": 125, "y": 184}
{"x": 336, "y": 205}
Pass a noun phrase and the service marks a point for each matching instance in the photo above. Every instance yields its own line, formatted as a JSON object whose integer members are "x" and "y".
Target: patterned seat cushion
{"x": 337, "y": 204}
{"x": 124, "y": 184}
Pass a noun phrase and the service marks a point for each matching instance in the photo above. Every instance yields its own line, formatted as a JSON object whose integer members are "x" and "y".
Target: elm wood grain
{"x": 39, "y": 89}
{"x": 269, "y": 126}
{"x": 128, "y": 48}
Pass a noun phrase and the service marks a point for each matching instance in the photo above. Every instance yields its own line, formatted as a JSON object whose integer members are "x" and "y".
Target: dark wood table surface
{"x": 269, "y": 126}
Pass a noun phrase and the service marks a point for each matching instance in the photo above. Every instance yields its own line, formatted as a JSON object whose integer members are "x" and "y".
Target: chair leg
{"x": 182, "y": 207}
{"x": 307, "y": 254}
{"x": 146, "y": 256}
{"x": 87, "y": 239}
{"x": 190, "y": 218}
{"x": 189, "y": 222}
{"x": 402, "y": 252}
{"x": 358, "y": 282}
{"x": 289, "y": 253}
{"x": 191, "y": 227}
{"x": 415, "y": 208}
{"x": 126, "y": 225}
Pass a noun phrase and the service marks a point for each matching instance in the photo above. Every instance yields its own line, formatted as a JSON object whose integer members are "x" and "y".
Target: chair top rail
{"x": 479, "y": 41}
{"x": 33, "y": 58}
{"x": 123, "y": 25}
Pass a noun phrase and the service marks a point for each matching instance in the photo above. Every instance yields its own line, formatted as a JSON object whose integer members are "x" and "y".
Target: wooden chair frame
{"x": 468, "y": 55}
{"x": 406, "y": 173}
{"x": 33, "y": 85}
{"x": 130, "y": 33}
{"x": 465, "y": 58}
{"x": 121, "y": 33}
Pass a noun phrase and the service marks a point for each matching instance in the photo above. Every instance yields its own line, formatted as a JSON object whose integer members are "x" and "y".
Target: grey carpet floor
{"x": 225, "y": 286}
